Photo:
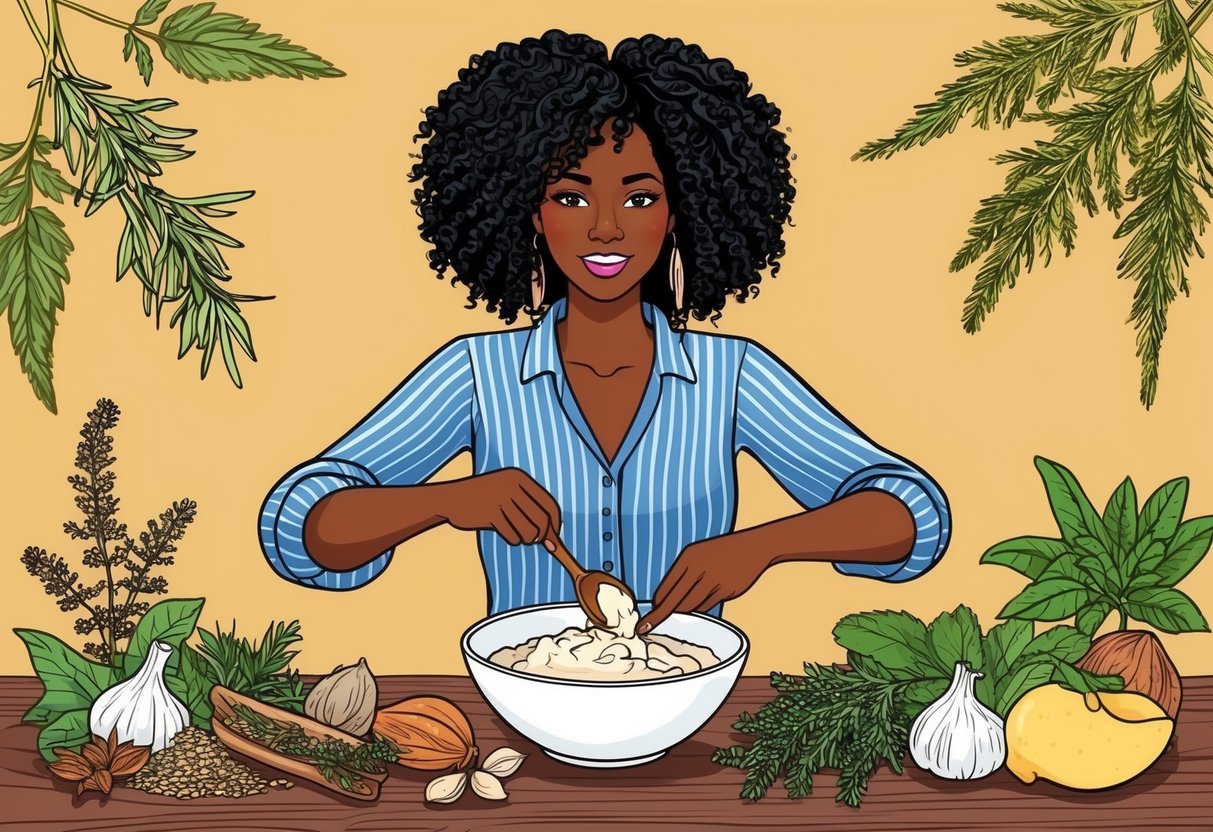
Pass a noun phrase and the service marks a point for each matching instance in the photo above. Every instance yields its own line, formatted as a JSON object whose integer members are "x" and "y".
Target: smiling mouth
{"x": 605, "y": 265}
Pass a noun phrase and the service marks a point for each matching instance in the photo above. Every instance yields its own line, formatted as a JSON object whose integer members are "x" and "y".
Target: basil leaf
{"x": 1063, "y": 642}
{"x": 867, "y": 667}
{"x": 1091, "y": 618}
{"x": 1024, "y": 679}
{"x": 1071, "y": 508}
{"x": 70, "y": 730}
{"x": 1166, "y": 609}
{"x": 1161, "y": 514}
{"x": 1004, "y": 644}
{"x": 1048, "y": 600}
{"x": 1070, "y": 678}
{"x": 926, "y": 691}
{"x": 1104, "y": 564}
{"x": 1066, "y": 566}
{"x": 956, "y": 637}
{"x": 171, "y": 622}
{"x": 897, "y": 640}
{"x": 1146, "y": 555}
{"x": 1083, "y": 681}
{"x": 1185, "y": 550}
{"x": 1120, "y": 517}
{"x": 71, "y": 681}
{"x": 1029, "y": 555}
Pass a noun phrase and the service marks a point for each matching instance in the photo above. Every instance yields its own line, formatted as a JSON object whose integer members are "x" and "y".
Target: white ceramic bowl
{"x": 602, "y": 724}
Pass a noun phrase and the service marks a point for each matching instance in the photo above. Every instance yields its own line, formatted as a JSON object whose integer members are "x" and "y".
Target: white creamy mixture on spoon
{"x": 612, "y": 654}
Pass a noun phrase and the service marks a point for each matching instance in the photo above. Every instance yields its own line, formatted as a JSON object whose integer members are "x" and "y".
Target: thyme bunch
{"x": 111, "y": 603}
{"x": 828, "y": 718}
{"x": 338, "y": 761}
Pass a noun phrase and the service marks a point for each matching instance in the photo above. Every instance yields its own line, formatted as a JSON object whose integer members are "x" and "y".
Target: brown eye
{"x": 569, "y": 199}
{"x": 640, "y": 200}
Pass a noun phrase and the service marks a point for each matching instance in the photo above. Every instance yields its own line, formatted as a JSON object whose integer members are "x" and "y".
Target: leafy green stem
{"x": 1199, "y": 15}
{"x": 25, "y": 153}
{"x": 28, "y": 13}
{"x": 58, "y": 44}
{"x": 111, "y": 21}
{"x": 1124, "y": 618}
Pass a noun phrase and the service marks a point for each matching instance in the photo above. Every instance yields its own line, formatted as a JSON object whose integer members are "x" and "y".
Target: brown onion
{"x": 1138, "y": 657}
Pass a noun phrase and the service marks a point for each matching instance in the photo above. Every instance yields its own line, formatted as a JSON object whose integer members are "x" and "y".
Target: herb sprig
{"x": 853, "y": 719}
{"x": 338, "y": 761}
{"x": 114, "y": 148}
{"x": 256, "y": 669}
{"x": 1168, "y": 143}
{"x": 1126, "y": 561}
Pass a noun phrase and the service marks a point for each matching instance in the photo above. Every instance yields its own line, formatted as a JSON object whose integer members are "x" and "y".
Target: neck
{"x": 595, "y": 332}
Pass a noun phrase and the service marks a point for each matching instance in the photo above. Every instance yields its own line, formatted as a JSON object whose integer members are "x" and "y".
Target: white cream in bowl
{"x": 610, "y": 654}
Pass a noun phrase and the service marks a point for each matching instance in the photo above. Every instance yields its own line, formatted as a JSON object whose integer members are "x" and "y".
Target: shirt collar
{"x": 542, "y": 354}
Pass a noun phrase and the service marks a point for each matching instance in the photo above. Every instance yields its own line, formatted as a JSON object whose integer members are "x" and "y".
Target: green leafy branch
{"x": 1126, "y": 561}
{"x": 853, "y": 718}
{"x": 115, "y": 148}
{"x": 1168, "y": 143}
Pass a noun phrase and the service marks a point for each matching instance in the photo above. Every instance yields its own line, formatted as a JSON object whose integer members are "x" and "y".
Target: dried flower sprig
{"x": 111, "y": 548}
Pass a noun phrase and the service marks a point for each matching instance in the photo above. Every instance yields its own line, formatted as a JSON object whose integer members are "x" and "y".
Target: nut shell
{"x": 1138, "y": 657}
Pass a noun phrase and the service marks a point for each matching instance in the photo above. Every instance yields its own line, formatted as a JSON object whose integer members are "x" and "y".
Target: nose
{"x": 605, "y": 229}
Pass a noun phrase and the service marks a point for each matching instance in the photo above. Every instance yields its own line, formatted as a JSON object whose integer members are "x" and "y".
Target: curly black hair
{"x": 523, "y": 113}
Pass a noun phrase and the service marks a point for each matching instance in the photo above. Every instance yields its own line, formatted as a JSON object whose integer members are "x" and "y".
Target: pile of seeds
{"x": 196, "y": 764}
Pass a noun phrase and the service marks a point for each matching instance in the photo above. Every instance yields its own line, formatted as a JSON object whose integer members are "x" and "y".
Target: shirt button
{"x": 607, "y": 537}
{"x": 606, "y": 480}
{"x": 606, "y": 512}
{"x": 608, "y": 566}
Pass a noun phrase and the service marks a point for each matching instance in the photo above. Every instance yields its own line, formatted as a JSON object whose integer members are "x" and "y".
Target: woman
{"x": 610, "y": 198}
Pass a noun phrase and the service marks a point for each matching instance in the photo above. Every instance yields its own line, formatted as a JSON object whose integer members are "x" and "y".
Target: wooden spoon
{"x": 586, "y": 581}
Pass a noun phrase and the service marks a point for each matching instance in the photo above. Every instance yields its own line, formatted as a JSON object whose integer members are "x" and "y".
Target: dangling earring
{"x": 676, "y": 273}
{"x": 538, "y": 284}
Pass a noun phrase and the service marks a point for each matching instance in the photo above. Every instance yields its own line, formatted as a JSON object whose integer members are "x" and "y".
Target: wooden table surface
{"x": 683, "y": 790}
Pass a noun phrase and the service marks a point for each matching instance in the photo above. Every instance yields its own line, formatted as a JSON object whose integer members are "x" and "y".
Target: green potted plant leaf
{"x": 1126, "y": 561}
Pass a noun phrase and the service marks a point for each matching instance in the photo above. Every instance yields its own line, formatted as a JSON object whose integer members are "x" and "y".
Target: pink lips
{"x": 605, "y": 265}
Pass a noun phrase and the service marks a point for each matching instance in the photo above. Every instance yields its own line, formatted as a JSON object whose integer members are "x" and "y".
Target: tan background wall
{"x": 864, "y": 304}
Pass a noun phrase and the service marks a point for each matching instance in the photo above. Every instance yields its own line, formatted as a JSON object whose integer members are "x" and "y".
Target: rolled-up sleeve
{"x": 818, "y": 457}
{"x": 416, "y": 430}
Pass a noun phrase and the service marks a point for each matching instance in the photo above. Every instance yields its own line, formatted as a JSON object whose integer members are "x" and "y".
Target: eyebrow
{"x": 627, "y": 180}
{"x": 636, "y": 177}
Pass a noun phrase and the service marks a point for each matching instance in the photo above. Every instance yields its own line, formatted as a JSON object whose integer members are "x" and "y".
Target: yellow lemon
{"x": 1091, "y": 741}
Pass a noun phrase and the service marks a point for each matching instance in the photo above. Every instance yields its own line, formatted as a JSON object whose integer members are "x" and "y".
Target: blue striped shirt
{"x": 504, "y": 397}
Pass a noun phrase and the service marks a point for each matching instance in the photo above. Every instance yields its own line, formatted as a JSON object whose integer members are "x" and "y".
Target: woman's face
{"x": 605, "y": 220}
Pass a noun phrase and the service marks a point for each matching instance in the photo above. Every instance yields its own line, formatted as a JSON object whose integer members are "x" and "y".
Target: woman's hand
{"x": 705, "y": 574}
{"x": 508, "y": 501}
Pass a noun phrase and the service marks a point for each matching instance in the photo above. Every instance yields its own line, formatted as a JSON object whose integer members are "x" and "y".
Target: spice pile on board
{"x": 195, "y": 765}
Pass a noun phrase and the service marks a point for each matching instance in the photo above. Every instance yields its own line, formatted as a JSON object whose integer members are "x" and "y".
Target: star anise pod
{"x": 99, "y": 762}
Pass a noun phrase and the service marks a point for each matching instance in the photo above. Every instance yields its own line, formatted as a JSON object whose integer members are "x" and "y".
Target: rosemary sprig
{"x": 1169, "y": 143}
{"x": 259, "y": 670}
{"x": 114, "y": 147}
{"x": 338, "y": 761}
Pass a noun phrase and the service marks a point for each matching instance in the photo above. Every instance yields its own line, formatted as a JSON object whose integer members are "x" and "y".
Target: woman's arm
{"x": 351, "y": 526}
{"x": 869, "y": 512}
{"x": 870, "y": 527}
{"x": 416, "y": 430}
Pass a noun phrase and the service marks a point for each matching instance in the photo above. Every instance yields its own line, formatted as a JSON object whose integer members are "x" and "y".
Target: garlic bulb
{"x": 141, "y": 708}
{"x": 956, "y": 736}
